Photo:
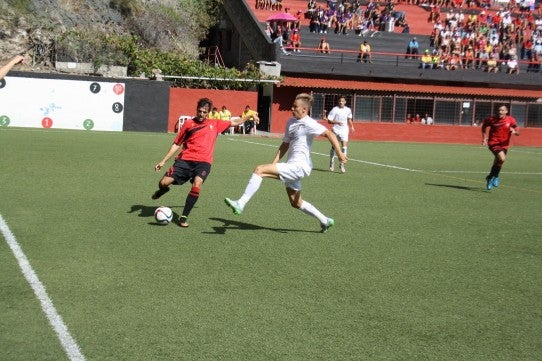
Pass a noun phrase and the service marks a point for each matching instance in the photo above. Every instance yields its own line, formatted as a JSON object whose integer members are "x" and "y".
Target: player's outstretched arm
{"x": 240, "y": 120}
{"x": 335, "y": 144}
{"x": 7, "y": 67}
{"x": 172, "y": 150}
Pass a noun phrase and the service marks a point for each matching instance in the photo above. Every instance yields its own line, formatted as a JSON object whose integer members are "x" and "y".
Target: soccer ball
{"x": 163, "y": 215}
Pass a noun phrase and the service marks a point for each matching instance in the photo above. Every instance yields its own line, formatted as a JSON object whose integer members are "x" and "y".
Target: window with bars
{"x": 391, "y": 108}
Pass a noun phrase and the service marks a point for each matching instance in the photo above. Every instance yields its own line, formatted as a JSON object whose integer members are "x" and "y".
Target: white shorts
{"x": 291, "y": 175}
{"x": 342, "y": 136}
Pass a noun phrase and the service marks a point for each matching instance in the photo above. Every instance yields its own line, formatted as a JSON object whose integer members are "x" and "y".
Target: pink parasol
{"x": 281, "y": 17}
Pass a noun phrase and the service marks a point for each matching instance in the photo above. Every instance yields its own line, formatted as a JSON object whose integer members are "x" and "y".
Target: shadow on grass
{"x": 144, "y": 211}
{"x": 465, "y": 188}
{"x": 236, "y": 225}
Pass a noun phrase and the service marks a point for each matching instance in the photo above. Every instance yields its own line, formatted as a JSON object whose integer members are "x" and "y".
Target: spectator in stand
{"x": 364, "y": 52}
{"x": 469, "y": 58}
{"x": 454, "y": 62}
{"x": 427, "y": 119}
{"x": 412, "y": 49}
{"x": 408, "y": 119}
{"x": 314, "y": 24}
{"x": 527, "y": 49}
{"x": 268, "y": 30}
{"x": 512, "y": 66}
{"x": 481, "y": 61}
{"x": 416, "y": 119}
{"x": 214, "y": 114}
{"x": 437, "y": 59}
{"x": 225, "y": 115}
{"x": 278, "y": 36}
{"x": 325, "y": 20}
{"x": 492, "y": 65}
{"x": 323, "y": 46}
{"x": 295, "y": 41}
{"x": 252, "y": 119}
{"x": 535, "y": 63}
{"x": 426, "y": 60}
{"x": 311, "y": 8}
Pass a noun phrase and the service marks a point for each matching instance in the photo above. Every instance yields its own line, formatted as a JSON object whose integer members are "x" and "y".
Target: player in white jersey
{"x": 341, "y": 117}
{"x": 297, "y": 141}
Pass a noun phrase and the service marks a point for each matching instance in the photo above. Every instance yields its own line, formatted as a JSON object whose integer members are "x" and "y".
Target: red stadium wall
{"x": 183, "y": 102}
{"x": 390, "y": 132}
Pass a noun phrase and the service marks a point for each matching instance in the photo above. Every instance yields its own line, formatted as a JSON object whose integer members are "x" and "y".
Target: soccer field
{"x": 422, "y": 264}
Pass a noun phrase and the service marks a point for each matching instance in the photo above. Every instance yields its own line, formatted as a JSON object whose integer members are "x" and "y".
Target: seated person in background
{"x": 512, "y": 66}
{"x": 214, "y": 114}
{"x": 426, "y": 60}
{"x": 311, "y": 9}
{"x": 408, "y": 119}
{"x": 437, "y": 59}
{"x": 416, "y": 119}
{"x": 534, "y": 62}
{"x": 364, "y": 52}
{"x": 492, "y": 66}
{"x": 253, "y": 119}
{"x": 469, "y": 58}
{"x": 427, "y": 119}
{"x": 454, "y": 62}
{"x": 483, "y": 57}
{"x": 295, "y": 40}
{"x": 323, "y": 46}
{"x": 412, "y": 49}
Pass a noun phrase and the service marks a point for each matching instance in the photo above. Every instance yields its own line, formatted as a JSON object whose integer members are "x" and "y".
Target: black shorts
{"x": 496, "y": 149}
{"x": 182, "y": 171}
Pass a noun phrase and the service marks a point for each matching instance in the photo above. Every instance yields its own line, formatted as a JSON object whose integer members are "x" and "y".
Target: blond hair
{"x": 305, "y": 98}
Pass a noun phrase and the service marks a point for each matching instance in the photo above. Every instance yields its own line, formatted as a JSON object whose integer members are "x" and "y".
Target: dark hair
{"x": 205, "y": 102}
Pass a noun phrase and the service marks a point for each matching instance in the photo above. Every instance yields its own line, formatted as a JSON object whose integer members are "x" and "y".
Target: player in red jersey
{"x": 196, "y": 139}
{"x": 496, "y": 133}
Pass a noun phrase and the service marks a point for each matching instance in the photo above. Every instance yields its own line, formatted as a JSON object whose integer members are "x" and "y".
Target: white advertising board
{"x": 65, "y": 104}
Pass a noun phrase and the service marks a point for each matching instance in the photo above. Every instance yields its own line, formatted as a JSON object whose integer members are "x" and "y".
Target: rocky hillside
{"x": 31, "y": 26}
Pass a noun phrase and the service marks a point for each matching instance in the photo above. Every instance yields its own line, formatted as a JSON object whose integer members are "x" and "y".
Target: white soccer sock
{"x": 312, "y": 211}
{"x": 252, "y": 187}
{"x": 331, "y": 154}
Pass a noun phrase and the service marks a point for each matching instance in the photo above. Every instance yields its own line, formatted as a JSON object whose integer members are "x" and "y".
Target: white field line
{"x": 68, "y": 342}
{"x": 394, "y": 166}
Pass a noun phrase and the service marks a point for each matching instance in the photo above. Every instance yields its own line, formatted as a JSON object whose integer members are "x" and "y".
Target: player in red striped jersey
{"x": 496, "y": 133}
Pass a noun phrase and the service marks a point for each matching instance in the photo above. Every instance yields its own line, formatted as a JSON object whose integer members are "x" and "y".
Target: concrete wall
{"x": 247, "y": 44}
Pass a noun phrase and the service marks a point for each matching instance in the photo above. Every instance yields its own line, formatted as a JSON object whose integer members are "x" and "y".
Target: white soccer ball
{"x": 163, "y": 215}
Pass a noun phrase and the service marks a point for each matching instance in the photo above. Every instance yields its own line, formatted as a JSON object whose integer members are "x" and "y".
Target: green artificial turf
{"x": 423, "y": 263}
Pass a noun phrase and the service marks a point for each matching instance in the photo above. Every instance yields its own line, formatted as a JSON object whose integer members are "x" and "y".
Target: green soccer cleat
{"x": 495, "y": 181}
{"x": 489, "y": 183}
{"x": 234, "y": 205}
{"x": 326, "y": 226}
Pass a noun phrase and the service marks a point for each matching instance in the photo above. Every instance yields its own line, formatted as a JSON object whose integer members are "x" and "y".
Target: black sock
{"x": 495, "y": 170}
{"x": 191, "y": 200}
